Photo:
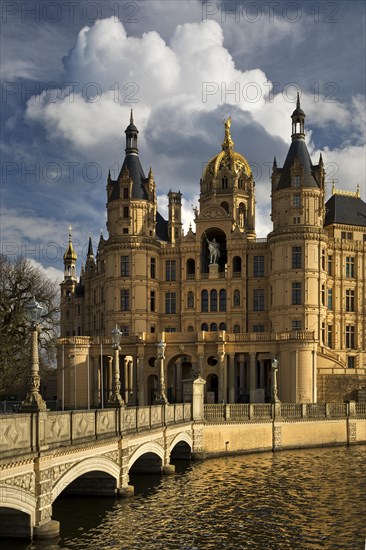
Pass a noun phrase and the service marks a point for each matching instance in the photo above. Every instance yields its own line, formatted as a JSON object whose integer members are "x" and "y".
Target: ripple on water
{"x": 307, "y": 500}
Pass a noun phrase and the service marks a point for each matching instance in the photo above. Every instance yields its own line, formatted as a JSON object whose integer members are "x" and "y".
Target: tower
{"x": 297, "y": 247}
{"x": 68, "y": 286}
{"x": 175, "y": 216}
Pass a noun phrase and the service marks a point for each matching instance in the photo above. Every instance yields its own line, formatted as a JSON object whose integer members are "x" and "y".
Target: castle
{"x": 219, "y": 302}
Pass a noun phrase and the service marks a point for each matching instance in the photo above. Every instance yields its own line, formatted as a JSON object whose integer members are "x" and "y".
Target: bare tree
{"x": 20, "y": 281}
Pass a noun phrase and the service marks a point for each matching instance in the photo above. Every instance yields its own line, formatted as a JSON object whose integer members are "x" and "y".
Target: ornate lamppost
{"x": 116, "y": 398}
{"x": 161, "y": 398}
{"x": 34, "y": 400}
{"x": 274, "y": 364}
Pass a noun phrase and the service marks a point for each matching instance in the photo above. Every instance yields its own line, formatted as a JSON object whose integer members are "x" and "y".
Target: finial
{"x": 101, "y": 233}
{"x": 333, "y": 188}
{"x": 358, "y": 191}
{"x": 70, "y": 233}
{"x": 151, "y": 175}
{"x": 274, "y": 162}
{"x": 131, "y": 117}
{"x": 228, "y": 142}
{"x": 298, "y": 101}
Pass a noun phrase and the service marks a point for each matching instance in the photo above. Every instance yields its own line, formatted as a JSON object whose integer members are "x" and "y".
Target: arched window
{"x": 204, "y": 326}
{"x": 236, "y": 298}
{"x": 236, "y": 328}
{"x": 222, "y": 326}
{"x": 190, "y": 329}
{"x": 225, "y": 206}
{"x": 191, "y": 268}
{"x": 222, "y": 299}
{"x": 236, "y": 265}
{"x": 241, "y": 214}
{"x": 204, "y": 301}
{"x": 213, "y": 327}
{"x": 190, "y": 299}
{"x": 213, "y": 300}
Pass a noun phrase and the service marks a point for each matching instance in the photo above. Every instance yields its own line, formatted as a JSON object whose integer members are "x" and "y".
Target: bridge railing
{"x": 238, "y": 412}
{"x": 29, "y": 432}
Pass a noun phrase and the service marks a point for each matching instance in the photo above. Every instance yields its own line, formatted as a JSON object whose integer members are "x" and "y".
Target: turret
{"x": 175, "y": 215}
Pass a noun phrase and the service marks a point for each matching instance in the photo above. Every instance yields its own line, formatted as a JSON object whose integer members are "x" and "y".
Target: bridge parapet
{"x": 24, "y": 433}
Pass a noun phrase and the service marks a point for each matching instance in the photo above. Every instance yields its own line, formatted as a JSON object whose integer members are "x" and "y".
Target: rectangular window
{"x": 170, "y": 302}
{"x": 258, "y": 266}
{"x": 330, "y": 298}
{"x": 351, "y": 363}
{"x": 350, "y": 300}
{"x": 329, "y": 336}
{"x": 153, "y": 268}
{"x": 125, "y": 266}
{"x": 258, "y": 299}
{"x": 125, "y": 192}
{"x": 350, "y": 336}
{"x": 296, "y": 257}
{"x": 296, "y": 294}
{"x": 125, "y": 300}
{"x": 170, "y": 329}
{"x": 323, "y": 334}
{"x": 125, "y": 329}
{"x": 152, "y": 300}
{"x": 350, "y": 267}
{"x": 126, "y": 212}
{"x": 296, "y": 202}
{"x": 296, "y": 325}
{"x": 297, "y": 181}
{"x": 330, "y": 265}
{"x": 258, "y": 328}
{"x": 170, "y": 270}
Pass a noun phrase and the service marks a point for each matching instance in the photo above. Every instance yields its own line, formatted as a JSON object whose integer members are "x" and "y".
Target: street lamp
{"x": 274, "y": 364}
{"x": 33, "y": 400}
{"x": 116, "y": 400}
{"x": 161, "y": 398}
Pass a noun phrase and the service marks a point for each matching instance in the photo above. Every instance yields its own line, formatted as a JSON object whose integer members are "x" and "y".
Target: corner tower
{"x": 297, "y": 247}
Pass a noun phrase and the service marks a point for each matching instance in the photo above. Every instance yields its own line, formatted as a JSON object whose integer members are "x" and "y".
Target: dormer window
{"x": 297, "y": 181}
{"x": 125, "y": 192}
{"x": 240, "y": 183}
{"x": 224, "y": 183}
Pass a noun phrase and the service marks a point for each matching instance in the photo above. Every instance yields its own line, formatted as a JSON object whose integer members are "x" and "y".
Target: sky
{"x": 71, "y": 72}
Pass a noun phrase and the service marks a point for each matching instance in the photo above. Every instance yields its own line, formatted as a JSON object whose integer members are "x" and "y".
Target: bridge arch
{"x": 18, "y": 499}
{"x": 181, "y": 438}
{"x": 147, "y": 448}
{"x": 98, "y": 463}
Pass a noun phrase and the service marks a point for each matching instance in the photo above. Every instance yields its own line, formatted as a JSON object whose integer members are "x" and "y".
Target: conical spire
{"x": 90, "y": 253}
{"x": 131, "y": 137}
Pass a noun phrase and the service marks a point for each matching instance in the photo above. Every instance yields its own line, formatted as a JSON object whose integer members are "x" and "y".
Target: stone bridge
{"x": 84, "y": 452}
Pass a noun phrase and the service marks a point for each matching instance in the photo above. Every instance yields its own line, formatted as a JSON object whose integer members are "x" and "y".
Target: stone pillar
{"x": 198, "y": 399}
{"x": 125, "y": 368}
{"x": 231, "y": 378}
{"x": 140, "y": 381}
{"x": 109, "y": 377}
{"x": 44, "y": 527}
{"x": 125, "y": 490}
{"x": 161, "y": 397}
{"x": 222, "y": 386}
{"x": 130, "y": 382}
{"x": 261, "y": 375}
{"x": 252, "y": 377}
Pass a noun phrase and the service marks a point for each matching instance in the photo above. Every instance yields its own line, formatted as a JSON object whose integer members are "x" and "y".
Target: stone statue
{"x": 214, "y": 250}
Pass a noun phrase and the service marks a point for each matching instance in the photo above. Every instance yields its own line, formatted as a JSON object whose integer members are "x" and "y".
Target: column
{"x": 242, "y": 377}
{"x": 130, "y": 382}
{"x": 252, "y": 378}
{"x": 178, "y": 389}
{"x": 109, "y": 378}
{"x": 140, "y": 381}
{"x": 222, "y": 384}
{"x": 125, "y": 367}
{"x": 231, "y": 378}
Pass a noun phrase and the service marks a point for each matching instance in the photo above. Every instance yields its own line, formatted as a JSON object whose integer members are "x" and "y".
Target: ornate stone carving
{"x": 26, "y": 482}
{"x": 277, "y": 436}
{"x": 113, "y": 455}
{"x": 352, "y": 432}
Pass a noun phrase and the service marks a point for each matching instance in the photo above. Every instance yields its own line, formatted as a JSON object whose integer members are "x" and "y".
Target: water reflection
{"x": 306, "y": 499}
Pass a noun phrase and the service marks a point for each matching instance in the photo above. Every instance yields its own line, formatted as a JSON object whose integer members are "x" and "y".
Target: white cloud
{"x": 50, "y": 272}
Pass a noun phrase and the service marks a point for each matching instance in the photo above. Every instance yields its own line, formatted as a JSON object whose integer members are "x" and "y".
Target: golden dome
{"x": 228, "y": 158}
{"x": 70, "y": 253}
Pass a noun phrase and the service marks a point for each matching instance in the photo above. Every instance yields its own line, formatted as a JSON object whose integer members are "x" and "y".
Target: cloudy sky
{"x": 71, "y": 72}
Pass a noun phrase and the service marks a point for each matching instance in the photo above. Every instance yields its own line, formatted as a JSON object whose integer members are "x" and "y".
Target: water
{"x": 308, "y": 499}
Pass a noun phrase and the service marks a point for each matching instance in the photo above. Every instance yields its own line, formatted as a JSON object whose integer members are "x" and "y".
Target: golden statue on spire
{"x": 228, "y": 142}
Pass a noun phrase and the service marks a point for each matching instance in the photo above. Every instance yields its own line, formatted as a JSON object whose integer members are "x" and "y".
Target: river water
{"x": 302, "y": 499}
